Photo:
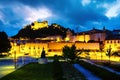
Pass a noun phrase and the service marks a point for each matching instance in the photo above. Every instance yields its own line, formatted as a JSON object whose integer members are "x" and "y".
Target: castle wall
{"x": 114, "y": 44}
{"x": 51, "y": 48}
{"x": 87, "y": 46}
{"x": 38, "y": 25}
{"x": 83, "y": 38}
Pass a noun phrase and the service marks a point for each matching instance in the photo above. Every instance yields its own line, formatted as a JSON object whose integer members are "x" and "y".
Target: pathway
{"x": 104, "y": 67}
{"x": 87, "y": 73}
{"x": 70, "y": 73}
{"x": 7, "y": 65}
{"x": 4, "y": 70}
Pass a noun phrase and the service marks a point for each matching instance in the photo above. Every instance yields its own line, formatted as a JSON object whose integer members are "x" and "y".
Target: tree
{"x": 115, "y": 54}
{"x": 109, "y": 53}
{"x": 43, "y": 54}
{"x": 42, "y": 59}
{"x": 5, "y": 45}
{"x": 71, "y": 52}
{"x": 66, "y": 50}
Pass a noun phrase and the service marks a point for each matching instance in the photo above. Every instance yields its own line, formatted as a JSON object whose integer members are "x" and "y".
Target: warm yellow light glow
{"x": 58, "y": 39}
{"x": 115, "y": 46}
{"x": 38, "y": 25}
{"x": 34, "y": 49}
{"x": 6, "y": 70}
{"x": 67, "y": 39}
{"x": 83, "y": 38}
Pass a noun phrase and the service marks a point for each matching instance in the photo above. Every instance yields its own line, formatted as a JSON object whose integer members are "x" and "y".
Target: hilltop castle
{"x": 38, "y": 25}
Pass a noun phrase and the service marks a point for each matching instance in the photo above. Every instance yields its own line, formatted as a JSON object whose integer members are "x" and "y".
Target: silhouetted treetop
{"x": 5, "y": 45}
{"x": 51, "y": 30}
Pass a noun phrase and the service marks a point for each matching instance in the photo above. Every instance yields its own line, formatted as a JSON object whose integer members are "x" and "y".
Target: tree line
{"x": 5, "y": 45}
{"x": 51, "y": 30}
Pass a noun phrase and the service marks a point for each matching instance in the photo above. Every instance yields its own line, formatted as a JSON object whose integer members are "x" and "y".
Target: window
{"x": 114, "y": 41}
{"x": 110, "y": 41}
{"x": 107, "y": 41}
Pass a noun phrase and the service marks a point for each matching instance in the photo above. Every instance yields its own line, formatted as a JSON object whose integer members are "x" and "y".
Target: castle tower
{"x": 68, "y": 35}
{"x": 37, "y": 25}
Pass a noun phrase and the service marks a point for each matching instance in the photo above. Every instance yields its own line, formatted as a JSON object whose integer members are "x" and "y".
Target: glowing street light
{"x": 15, "y": 58}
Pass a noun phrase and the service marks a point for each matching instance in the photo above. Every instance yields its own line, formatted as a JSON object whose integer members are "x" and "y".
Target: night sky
{"x": 80, "y": 15}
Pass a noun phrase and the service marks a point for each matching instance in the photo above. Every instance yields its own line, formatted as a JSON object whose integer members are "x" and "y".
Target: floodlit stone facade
{"x": 114, "y": 44}
{"x": 53, "y": 45}
{"x": 37, "y": 25}
{"x": 34, "y": 48}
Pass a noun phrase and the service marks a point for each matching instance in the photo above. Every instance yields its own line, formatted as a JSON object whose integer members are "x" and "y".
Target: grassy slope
{"x": 100, "y": 72}
{"x": 32, "y": 71}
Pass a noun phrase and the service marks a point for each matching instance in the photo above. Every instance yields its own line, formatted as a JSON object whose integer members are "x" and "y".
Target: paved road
{"x": 86, "y": 72}
{"x": 7, "y": 65}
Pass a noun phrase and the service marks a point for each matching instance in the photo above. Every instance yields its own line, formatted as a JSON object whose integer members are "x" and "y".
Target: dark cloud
{"x": 69, "y": 13}
{"x": 71, "y": 10}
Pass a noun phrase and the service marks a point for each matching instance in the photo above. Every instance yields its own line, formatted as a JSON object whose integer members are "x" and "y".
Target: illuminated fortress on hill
{"x": 92, "y": 40}
{"x": 38, "y": 25}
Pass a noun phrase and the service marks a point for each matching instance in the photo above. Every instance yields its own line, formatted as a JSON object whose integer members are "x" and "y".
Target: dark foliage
{"x": 109, "y": 53}
{"x": 116, "y": 54}
{"x": 4, "y": 42}
{"x": 51, "y": 30}
{"x": 71, "y": 52}
{"x": 57, "y": 69}
{"x": 43, "y": 54}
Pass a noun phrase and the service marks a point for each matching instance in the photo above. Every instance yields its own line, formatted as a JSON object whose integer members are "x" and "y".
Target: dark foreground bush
{"x": 57, "y": 70}
{"x": 100, "y": 72}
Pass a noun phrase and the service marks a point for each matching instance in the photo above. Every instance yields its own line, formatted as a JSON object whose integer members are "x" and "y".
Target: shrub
{"x": 43, "y": 54}
{"x": 57, "y": 69}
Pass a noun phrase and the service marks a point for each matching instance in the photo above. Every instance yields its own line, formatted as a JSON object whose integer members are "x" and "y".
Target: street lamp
{"x": 15, "y": 58}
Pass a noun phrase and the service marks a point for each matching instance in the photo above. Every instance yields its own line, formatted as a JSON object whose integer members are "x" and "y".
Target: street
{"x": 7, "y": 65}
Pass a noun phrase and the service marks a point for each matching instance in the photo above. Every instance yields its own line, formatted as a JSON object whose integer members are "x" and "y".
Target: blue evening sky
{"x": 80, "y": 15}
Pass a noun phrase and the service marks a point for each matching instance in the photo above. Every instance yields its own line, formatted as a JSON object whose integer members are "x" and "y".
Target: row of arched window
{"x": 113, "y": 41}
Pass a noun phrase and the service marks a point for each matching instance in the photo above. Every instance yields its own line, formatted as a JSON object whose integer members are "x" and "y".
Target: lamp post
{"x": 23, "y": 57}
{"x": 15, "y": 60}
{"x": 101, "y": 50}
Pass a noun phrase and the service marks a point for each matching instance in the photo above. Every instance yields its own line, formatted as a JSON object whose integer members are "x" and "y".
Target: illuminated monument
{"x": 38, "y": 25}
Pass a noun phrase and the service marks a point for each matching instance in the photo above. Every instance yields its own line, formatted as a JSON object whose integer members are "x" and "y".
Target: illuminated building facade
{"x": 113, "y": 41}
{"x": 82, "y": 37}
{"x": 53, "y": 44}
{"x": 69, "y": 36}
{"x": 34, "y": 47}
{"x": 37, "y": 25}
{"x": 94, "y": 34}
